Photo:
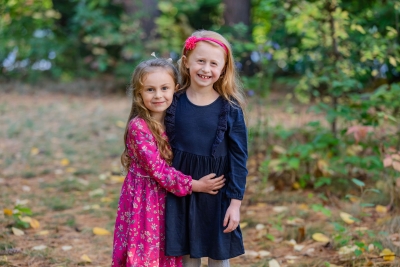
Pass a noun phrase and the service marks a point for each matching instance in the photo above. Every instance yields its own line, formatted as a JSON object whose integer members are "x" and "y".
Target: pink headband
{"x": 190, "y": 43}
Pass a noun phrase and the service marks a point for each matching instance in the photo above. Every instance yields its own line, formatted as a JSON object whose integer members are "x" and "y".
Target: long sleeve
{"x": 237, "y": 144}
{"x": 143, "y": 146}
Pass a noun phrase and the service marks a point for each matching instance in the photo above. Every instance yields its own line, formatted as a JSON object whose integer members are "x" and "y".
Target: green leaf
{"x": 358, "y": 182}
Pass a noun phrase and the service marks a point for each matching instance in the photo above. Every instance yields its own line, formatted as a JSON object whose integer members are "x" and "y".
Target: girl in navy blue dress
{"x": 207, "y": 132}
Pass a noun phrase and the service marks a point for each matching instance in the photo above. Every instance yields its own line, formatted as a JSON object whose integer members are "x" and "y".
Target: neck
{"x": 159, "y": 117}
{"x": 201, "y": 97}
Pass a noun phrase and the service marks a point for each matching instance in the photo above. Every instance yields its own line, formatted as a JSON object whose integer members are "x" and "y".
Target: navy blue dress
{"x": 205, "y": 139}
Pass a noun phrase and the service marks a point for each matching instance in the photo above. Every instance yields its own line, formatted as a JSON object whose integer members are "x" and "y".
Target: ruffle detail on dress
{"x": 222, "y": 126}
{"x": 169, "y": 119}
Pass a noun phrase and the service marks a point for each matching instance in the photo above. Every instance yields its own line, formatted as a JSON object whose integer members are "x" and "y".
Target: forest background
{"x": 323, "y": 83}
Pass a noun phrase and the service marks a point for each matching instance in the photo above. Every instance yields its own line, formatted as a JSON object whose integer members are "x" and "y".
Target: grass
{"x": 65, "y": 148}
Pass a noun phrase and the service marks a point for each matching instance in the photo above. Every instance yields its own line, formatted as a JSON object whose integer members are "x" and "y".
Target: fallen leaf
{"x": 106, "y": 199}
{"x": 7, "y": 212}
{"x": 381, "y": 209}
{"x": 347, "y": 250}
{"x": 66, "y": 248}
{"x": 279, "y": 149}
{"x": 251, "y": 253}
{"x": 243, "y": 225}
{"x": 396, "y": 165}
{"x": 371, "y": 247}
{"x": 303, "y": 207}
{"x": 295, "y": 221}
{"x": 100, "y": 231}
{"x": 320, "y": 238}
{"x": 273, "y": 263}
{"x": 387, "y": 255}
{"x": 64, "y": 162}
{"x": 70, "y": 170}
{"x": 260, "y": 226}
{"x": 280, "y": 209}
{"x": 264, "y": 253}
{"x": 120, "y": 124}
{"x": 347, "y": 218}
{"x": 44, "y": 232}
{"x": 17, "y": 231}
{"x": 34, "y": 224}
{"x": 34, "y": 151}
{"x": 298, "y": 247}
{"x": 96, "y": 192}
{"x": 387, "y": 162}
{"x": 40, "y": 247}
{"x": 85, "y": 258}
{"x": 396, "y": 157}
{"x": 117, "y": 178}
{"x": 26, "y": 219}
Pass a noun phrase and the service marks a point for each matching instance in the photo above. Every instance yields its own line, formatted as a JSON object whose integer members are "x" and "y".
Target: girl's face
{"x": 157, "y": 92}
{"x": 206, "y": 63}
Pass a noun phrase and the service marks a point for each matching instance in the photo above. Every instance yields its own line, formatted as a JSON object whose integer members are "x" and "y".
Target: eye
{"x": 201, "y": 61}
{"x": 165, "y": 88}
{"x": 214, "y": 63}
{"x": 149, "y": 90}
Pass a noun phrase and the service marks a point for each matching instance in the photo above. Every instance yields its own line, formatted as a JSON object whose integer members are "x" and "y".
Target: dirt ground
{"x": 59, "y": 157}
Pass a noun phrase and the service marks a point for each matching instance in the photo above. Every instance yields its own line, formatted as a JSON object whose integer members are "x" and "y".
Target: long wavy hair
{"x": 138, "y": 109}
{"x": 229, "y": 85}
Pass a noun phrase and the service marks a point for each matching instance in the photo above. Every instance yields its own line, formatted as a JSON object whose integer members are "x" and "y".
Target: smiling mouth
{"x": 158, "y": 103}
{"x": 204, "y": 77}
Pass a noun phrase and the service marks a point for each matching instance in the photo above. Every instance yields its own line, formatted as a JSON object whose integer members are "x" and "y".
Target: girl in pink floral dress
{"x": 139, "y": 235}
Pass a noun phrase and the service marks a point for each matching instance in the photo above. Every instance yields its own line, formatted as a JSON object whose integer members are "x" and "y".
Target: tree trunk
{"x": 237, "y": 11}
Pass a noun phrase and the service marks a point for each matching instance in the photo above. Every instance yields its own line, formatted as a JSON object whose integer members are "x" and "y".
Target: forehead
{"x": 211, "y": 51}
{"x": 159, "y": 75}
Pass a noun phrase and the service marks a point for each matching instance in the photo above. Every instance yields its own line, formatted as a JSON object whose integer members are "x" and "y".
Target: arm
{"x": 144, "y": 148}
{"x": 237, "y": 134}
{"x": 143, "y": 145}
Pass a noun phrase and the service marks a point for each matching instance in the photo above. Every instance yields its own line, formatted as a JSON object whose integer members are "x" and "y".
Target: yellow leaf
{"x": 26, "y": 219}
{"x": 64, "y": 162}
{"x": 85, "y": 258}
{"x": 44, "y": 232}
{"x": 296, "y": 185}
{"x": 34, "y": 224}
{"x": 374, "y": 73}
{"x": 320, "y": 238}
{"x": 7, "y": 212}
{"x": 381, "y": 209}
{"x": 17, "y": 231}
{"x": 106, "y": 199}
{"x": 243, "y": 225}
{"x": 34, "y": 151}
{"x": 117, "y": 178}
{"x": 100, "y": 231}
{"x": 120, "y": 124}
{"x": 387, "y": 255}
{"x": 347, "y": 218}
{"x": 303, "y": 207}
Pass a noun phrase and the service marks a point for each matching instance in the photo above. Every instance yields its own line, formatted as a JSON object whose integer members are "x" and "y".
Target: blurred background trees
{"x": 339, "y": 57}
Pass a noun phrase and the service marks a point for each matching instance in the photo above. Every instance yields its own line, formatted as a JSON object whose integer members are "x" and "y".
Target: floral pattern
{"x": 139, "y": 235}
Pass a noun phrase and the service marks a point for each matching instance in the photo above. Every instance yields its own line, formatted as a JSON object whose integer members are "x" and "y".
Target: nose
{"x": 158, "y": 93}
{"x": 206, "y": 68}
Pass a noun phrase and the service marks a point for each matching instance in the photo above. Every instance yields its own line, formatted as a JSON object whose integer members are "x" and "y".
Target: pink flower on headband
{"x": 190, "y": 43}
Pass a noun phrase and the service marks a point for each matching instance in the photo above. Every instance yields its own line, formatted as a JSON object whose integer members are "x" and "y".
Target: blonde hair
{"x": 228, "y": 86}
{"x": 138, "y": 109}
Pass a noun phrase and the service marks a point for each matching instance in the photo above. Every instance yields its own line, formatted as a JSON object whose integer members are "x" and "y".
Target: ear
{"x": 184, "y": 61}
{"x": 177, "y": 87}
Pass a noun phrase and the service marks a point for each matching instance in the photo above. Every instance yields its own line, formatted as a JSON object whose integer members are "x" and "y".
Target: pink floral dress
{"x": 139, "y": 235}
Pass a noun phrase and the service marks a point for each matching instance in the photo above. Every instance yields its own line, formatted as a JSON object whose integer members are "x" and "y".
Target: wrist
{"x": 236, "y": 202}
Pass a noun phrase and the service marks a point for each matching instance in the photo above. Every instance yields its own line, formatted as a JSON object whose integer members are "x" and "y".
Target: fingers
{"x": 231, "y": 226}
{"x": 210, "y": 176}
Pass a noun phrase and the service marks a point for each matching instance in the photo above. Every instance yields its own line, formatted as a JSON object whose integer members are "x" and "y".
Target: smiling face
{"x": 206, "y": 64}
{"x": 157, "y": 92}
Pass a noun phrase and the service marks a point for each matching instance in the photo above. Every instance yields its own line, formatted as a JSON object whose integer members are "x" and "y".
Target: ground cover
{"x": 60, "y": 182}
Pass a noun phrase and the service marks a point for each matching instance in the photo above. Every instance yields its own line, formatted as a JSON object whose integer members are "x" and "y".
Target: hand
{"x": 208, "y": 184}
{"x": 232, "y": 216}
